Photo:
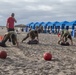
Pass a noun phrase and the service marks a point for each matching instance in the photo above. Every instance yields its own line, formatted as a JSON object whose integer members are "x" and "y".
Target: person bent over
{"x": 65, "y": 35}
{"x": 8, "y": 35}
{"x": 33, "y": 35}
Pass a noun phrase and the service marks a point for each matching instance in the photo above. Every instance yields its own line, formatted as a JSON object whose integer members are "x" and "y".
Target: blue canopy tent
{"x": 28, "y": 26}
{"x": 58, "y": 26}
{"x": 49, "y": 26}
{"x": 72, "y": 25}
{"x": 54, "y": 26}
{"x": 42, "y": 24}
{"x": 39, "y": 24}
{"x": 31, "y": 25}
{"x": 61, "y": 25}
{"x": 36, "y": 24}
{"x": 64, "y": 23}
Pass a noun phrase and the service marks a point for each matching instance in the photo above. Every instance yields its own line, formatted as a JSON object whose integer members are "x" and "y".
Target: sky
{"x": 27, "y": 11}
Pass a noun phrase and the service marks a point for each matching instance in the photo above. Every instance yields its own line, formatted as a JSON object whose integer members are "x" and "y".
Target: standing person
{"x": 10, "y": 22}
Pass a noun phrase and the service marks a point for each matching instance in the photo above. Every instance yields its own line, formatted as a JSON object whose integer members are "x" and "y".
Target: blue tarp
{"x": 53, "y": 24}
{"x": 49, "y": 24}
{"x": 36, "y": 24}
{"x": 73, "y": 23}
{"x": 62, "y": 23}
{"x": 39, "y": 24}
{"x": 32, "y": 25}
{"x": 45, "y": 24}
{"x": 42, "y": 24}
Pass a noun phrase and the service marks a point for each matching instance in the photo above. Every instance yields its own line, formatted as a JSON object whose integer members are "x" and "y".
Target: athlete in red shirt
{"x": 10, "y": 22}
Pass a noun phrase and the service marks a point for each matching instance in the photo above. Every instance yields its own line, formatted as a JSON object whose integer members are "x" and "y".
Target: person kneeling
{"x": 8, "y": 35}
{"x": 65, "y": 35}
{"x": 33, "y": 35}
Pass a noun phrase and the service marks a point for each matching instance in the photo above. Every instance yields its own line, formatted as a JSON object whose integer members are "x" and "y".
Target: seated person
{"x": 65, "y": 35}
{"x": 33, "y": 34}
{"x": 8, "y": 35}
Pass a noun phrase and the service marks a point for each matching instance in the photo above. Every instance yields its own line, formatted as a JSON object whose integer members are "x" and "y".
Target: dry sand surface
{"x": 28, "y": 59}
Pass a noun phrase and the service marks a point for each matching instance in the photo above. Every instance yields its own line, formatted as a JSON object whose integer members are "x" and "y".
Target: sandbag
{"x": 33, "y": 42}
{"x": 65, "y": 43}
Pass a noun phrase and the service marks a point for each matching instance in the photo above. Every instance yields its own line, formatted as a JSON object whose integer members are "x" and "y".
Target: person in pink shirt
{"x": 10, "y": 22}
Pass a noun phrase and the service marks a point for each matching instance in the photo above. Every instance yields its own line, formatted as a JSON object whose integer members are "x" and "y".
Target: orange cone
{"x": 1, "y": 38}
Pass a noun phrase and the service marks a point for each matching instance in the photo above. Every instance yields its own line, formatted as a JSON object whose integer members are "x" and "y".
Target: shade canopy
{"x": 49, "y": 24}
{"x": 42, "y": 24}
{"x": 32, "y": 25}
{"x": 73, "y": 23}
{"x": 62, "y": 23}
{"x": 36, "y": 24}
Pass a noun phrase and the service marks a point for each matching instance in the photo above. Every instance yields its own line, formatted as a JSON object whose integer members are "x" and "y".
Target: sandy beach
{"x": 28, "y": 59}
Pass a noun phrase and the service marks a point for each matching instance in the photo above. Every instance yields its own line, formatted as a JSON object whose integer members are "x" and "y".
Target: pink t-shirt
{"x": 10, "y": 22}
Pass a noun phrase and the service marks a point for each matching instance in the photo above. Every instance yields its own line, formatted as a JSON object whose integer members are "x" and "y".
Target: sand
{"x": 28, "y": 59}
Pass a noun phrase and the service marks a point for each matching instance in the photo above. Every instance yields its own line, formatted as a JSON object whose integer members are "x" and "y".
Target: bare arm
{"x": 15, "y": 20}
{"x": 27, "y": 36}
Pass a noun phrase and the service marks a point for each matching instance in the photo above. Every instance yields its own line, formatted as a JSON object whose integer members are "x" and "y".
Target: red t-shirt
{"x": 10, "y": 22}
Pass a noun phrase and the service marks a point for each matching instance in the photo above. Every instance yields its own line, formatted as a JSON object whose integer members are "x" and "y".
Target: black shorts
{"x": 10, "y": 29}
